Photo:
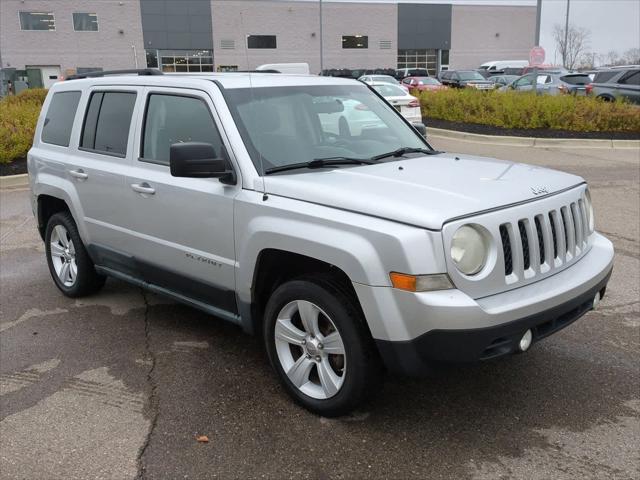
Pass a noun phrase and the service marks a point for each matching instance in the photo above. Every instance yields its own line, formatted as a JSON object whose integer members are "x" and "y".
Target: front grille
{"x": 527, "y": 243}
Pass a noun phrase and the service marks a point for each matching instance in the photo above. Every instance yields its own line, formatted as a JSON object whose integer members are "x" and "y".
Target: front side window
{"x": 285, "y": 125}
{"x": 176, "y": 119}
{"x": 59, "y": 119}
{"x": 631, "y": 78}
{"x": 355, "y": 41}
{"x": 107, "y": 122}
{"x": 85, "y": 22}
{"x": 261, "y": 41}
{"x": 37, "y": 21}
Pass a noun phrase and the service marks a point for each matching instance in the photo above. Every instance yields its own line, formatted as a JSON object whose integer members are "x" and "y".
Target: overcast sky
{"x": 614, "y": 24}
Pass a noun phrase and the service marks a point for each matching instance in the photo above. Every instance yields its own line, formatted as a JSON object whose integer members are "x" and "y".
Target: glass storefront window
{"x": 184, "y": 60}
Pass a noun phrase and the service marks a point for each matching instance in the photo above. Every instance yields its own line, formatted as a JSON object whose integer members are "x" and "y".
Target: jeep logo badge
{"x": 539, "y": 190}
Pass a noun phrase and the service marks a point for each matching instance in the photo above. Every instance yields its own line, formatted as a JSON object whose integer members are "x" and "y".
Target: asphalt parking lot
{"x": 119, "y": 385}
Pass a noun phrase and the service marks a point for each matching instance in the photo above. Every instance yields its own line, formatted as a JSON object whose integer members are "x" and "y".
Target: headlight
{"x": 589, "y": 208}
{"x": 469, "y": 250}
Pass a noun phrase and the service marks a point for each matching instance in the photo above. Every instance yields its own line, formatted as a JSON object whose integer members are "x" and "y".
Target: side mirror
{"x": 419, "y": 126}
{"x": 199, "y": 160}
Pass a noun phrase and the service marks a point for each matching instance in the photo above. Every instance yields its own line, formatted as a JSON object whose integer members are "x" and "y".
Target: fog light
{"x": 596, "y": 300}
{"x": 525, "y": 341}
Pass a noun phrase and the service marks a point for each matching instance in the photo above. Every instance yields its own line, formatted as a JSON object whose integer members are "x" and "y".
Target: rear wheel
{"x": 319, "y": 346}
{"x": 69, "y": 264}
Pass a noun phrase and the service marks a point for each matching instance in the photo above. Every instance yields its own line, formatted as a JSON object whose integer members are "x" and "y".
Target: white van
{"x": 498, "y": 65}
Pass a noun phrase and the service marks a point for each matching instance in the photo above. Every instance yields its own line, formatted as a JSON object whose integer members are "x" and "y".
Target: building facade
{"x": 43, "y": 40}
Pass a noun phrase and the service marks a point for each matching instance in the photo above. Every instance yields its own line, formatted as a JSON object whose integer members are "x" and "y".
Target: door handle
{"x": 143, "y": 187}
{"x": 79, "y": 174}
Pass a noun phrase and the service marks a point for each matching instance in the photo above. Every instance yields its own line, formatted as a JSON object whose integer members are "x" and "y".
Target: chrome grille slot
{"x": 569, "y": 232}
{"x": 554, "y": 235}
{"x": 577, "y": 222}
{"x": 524, "y": 238}
{"x": 506, "y": 250}
{"x": 540, "y": 234}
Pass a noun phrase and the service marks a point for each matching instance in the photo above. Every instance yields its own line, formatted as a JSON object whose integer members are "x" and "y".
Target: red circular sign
{"x": 536, "y": 56}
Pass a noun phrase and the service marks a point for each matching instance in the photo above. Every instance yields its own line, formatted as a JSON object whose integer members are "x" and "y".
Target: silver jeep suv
{"x": 345, "y": 240}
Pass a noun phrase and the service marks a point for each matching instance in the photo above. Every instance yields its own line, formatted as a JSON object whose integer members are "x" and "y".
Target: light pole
{"x": 321, "y": 42}
{"x": 537, "y": 44}
{"x": 566, "y": 36}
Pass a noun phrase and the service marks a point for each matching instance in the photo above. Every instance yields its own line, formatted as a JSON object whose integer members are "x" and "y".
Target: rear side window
{"x": 107, "y": 121}
{"x": 59, "y": 120}
{"x": 576, "y": 79}
{"x": 604, "y": 77}
{"x": 176, "y": 119}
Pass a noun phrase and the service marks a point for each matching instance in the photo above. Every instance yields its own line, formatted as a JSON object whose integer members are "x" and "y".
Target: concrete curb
{"x": 14, "y": 181}
{"x": 531, "y": 141}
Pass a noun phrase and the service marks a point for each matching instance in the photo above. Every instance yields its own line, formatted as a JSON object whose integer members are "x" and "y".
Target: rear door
{"x": 181, "y": 229}
{"x": 96, "y": 166}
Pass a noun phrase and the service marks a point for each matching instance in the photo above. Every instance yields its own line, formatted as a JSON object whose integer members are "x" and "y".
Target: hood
{"x": 423, "y": 191}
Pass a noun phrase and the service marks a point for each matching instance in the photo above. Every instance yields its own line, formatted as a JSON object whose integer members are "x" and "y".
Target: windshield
{"x": 390, "y": 91}
{"x": 286, "y": 125}
{"x": 470, "y": 76}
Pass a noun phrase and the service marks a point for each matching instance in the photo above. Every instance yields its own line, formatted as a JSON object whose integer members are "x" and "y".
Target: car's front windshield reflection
{"x": 287, "y": 125}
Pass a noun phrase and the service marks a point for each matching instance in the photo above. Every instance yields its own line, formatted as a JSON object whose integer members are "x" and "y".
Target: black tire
{"x": 87, "y": 280}
{"x": 363, "y": 366}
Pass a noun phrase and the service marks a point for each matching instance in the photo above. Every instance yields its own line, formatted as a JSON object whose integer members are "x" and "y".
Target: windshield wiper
{"x": 319, "y": 163}
{"x": 403, "y": 151}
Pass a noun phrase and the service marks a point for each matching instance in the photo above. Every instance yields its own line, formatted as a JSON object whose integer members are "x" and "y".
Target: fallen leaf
{"x": 202, "y": 439}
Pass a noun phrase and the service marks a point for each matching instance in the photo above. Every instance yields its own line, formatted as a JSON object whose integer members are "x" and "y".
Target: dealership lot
{"x": 121, "y": 384}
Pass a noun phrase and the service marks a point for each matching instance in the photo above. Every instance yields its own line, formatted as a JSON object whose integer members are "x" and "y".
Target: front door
{"x": 182, "y": 228}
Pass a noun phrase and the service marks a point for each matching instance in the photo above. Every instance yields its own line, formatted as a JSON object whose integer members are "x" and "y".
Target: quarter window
{"x": 37, "y": 21}
{"x": 355, "y": 41}
{"x": 261, "y": 41}
{"x": 85, "y": 22}
{"x": 59, "y": 120}
{"x": 107, "y": 122}
{"x": 176, "y": 119}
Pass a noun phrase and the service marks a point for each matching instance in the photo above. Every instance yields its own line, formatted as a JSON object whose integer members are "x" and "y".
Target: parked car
{"x": 503, "y": 80}
{"x": 547, "y": 68}
{"x": 465, "y": 79}
{"x": 411, "y": 72}
{"x": 616, "y": 84}
{"x": 375, "y": 79}
{"x": 406, "y": 104}
{"x": 553, "y": 83}
{"x": 343, "y": 252}
{"x": 428, "y": 84}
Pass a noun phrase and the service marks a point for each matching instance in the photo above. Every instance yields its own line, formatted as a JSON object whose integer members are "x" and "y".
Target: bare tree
{"x": 632, "y": 56}
{"x": 612, "y": 58}
{"x": 577, "y": 41}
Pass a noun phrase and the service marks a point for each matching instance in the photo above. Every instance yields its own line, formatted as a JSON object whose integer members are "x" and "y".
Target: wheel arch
{"x": 274, "y": 267}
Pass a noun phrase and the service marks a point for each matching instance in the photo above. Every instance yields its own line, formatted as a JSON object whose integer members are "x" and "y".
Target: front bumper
{"x": 414, "y": 330}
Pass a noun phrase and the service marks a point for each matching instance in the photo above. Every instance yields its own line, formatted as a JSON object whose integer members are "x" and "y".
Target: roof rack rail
{"x": 100, "y": 73}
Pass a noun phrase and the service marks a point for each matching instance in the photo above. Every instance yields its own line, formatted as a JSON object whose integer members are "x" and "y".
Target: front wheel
{"x": 69, "y": 264}
{"x": 319, "y": 346}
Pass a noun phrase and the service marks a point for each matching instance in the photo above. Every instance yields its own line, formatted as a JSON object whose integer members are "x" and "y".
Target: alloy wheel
{"x": 310, "y": 349}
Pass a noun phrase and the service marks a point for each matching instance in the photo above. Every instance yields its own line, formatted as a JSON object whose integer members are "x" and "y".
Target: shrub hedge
{"x": 19, "y": 114}
{"x": 18, "y": 118}
{"x": 529, "y": 111}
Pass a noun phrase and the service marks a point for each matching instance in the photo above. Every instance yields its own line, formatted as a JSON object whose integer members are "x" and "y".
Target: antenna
{"x": 246, "y": 53}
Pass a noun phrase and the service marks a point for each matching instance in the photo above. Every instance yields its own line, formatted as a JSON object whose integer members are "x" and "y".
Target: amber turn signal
{"x": 420, "y": 283}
